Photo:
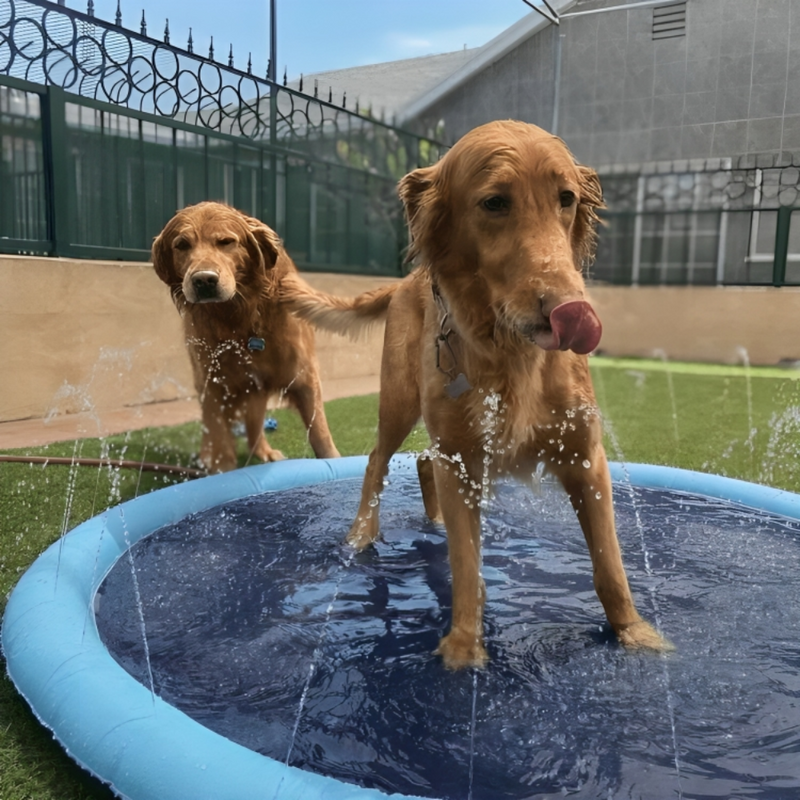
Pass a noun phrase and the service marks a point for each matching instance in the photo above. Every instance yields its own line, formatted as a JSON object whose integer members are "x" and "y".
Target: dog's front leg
{"x": 463, "y": 646}
{"x": 254, "y": 412}
{"x": 217, "y": 448}
{"x": 589, "y": 490}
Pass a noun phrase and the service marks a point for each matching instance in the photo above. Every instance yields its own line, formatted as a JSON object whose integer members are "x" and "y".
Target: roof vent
{"x": 669, "y": 21}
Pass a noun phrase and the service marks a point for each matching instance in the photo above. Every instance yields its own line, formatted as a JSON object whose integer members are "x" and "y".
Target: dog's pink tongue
{"x": 575, "y": 327}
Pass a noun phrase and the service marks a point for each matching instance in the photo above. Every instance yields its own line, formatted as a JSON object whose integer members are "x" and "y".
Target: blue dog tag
{"x": 255, "y": 343}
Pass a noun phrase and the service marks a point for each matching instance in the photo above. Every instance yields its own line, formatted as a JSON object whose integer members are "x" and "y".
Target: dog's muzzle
{"x": 572, "y": 326}
{"x": 205, "y": 284}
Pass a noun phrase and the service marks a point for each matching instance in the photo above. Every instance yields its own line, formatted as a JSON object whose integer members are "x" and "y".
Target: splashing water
{"x": 671, "y": 388}
{"x": 138, "y": 604}
{"x": 657, "y": 615}
{"x": 751, "y": 435}
{"x": 318, "y": 652}
{"x": 782, "y": 456}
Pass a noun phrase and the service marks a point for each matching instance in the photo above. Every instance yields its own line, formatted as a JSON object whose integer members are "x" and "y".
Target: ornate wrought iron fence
{"x": 105, "y": 131}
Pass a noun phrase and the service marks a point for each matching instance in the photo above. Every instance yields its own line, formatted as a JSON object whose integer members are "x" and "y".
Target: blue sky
{"x": 320, "y": 35}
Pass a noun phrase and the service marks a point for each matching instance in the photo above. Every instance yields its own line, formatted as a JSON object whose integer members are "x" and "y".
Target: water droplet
{"x": 586, "y": 463}
{"x": 599, "y": 496}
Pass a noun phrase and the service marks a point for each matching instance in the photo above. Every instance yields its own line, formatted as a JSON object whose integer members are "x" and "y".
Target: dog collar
{"x": 446, "y": 356}
{"x": 256, "y": 343}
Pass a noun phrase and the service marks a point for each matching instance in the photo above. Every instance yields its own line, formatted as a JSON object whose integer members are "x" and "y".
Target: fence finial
{"x": 316, "y": 88}
{"x": 344, "y": 99}
{"x": 90, "y": 8}
{"x": 301, "y": 81}
{"x": 166, "y": 33}
{"x": 190, "y": 43}
{"x": 118, "y": 19}
{"x": 143, "y": 25}
{"x": 357, "y": 105}
{"x": 211, "y": 50}
{"x": 330, "y": 94}
{"x": 230, "y": 56}
{"x": 249, "y": 63}
{"x": 269, "y": 68}
{"x": 285, "y": 79}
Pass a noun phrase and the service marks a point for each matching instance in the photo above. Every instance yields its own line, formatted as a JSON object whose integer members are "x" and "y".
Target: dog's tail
{"x": 343, "y": 315}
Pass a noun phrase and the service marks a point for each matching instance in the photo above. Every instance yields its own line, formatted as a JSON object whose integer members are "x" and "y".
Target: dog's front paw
{"x": 363, "y": 533}
{"x": 266, "y": 453}
{"x": 642, "y": 635}
{"x": 461, "y": 649}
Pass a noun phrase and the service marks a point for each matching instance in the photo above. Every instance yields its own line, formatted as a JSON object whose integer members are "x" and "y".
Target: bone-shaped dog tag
{"x": 457, "y": 387}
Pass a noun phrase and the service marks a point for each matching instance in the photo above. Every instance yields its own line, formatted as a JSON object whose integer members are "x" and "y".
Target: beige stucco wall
{"x": 700, "y": 323}
{"x": 82, "y": 335}
{"x": 77, "y": 336}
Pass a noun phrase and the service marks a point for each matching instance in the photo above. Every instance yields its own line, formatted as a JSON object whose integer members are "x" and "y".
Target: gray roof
{"x": 389, "y": 86}
{"x": 482, "y": 58}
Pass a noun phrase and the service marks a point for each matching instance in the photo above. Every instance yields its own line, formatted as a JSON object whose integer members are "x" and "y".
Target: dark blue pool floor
{"x": 263, "y": 628}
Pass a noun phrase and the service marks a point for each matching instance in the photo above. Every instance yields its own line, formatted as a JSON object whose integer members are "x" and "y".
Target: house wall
{"x": 84, "y": 336}
{"x": 729, "y": 88}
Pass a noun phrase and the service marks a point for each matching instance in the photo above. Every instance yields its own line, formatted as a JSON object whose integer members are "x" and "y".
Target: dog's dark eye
{"x": 181, "y": 244}
{"x": 567, "y": 199}
{"x": 225, "y": 241}
{"x": 496, "y": 203}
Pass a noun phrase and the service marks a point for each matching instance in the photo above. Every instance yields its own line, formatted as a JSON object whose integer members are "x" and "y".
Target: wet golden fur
{"x": 500, "y": 266}
{"x": 225, "y": 272}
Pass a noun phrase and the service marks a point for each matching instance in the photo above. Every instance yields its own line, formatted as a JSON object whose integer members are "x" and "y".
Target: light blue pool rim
{"x": 140, "y": 745}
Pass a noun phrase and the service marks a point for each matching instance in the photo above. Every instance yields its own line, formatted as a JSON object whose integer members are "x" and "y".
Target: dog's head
{"x": 508, "y": 218}
{"x": 211, "y": 253}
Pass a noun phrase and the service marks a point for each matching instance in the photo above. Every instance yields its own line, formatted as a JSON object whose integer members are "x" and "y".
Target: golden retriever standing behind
{"x": 487, "y": 340}
{"x": 225, "y": 271}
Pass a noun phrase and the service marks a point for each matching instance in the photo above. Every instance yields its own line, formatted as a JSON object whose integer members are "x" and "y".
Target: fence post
{"x": 54, "y": 135}
{"x": 272, "y": 189}
{"x": 781, "y": 245}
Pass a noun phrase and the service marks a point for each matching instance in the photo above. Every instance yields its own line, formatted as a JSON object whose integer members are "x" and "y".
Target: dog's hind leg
{"x": 589, "y": 490}
{"x": 398, "y": 412}
{"x": 427, "y": 484}
{"x": 255, "y": 409}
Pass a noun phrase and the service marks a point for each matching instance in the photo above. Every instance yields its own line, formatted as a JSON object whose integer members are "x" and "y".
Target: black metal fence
{"x": 709, "y": 227}
{"x": 105, "y": 132}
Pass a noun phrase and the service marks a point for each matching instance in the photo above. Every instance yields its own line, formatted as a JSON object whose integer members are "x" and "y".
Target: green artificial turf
{"x": 744, "y": 423}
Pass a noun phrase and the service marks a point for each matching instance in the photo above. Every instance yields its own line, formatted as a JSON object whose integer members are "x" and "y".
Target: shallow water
{"x": 249, "y": 604}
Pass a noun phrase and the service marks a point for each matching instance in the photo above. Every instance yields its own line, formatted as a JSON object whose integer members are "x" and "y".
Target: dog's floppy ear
{"x": 584, "y": 230}
{"x": 268, "y": 242}
{"x": 161, "y": 254}
{"x": 419, "y": 191}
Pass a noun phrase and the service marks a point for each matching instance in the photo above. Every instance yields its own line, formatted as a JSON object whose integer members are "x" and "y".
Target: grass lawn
{"x": 727, "y": 420}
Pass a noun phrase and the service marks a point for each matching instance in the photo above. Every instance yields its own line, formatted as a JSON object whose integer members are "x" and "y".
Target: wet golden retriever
{"x": 224, "y": 270}
{"x": 487, "y": 340}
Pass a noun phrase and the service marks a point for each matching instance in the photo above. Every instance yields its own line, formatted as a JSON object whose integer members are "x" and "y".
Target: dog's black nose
{"x": 205, "y": 284}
